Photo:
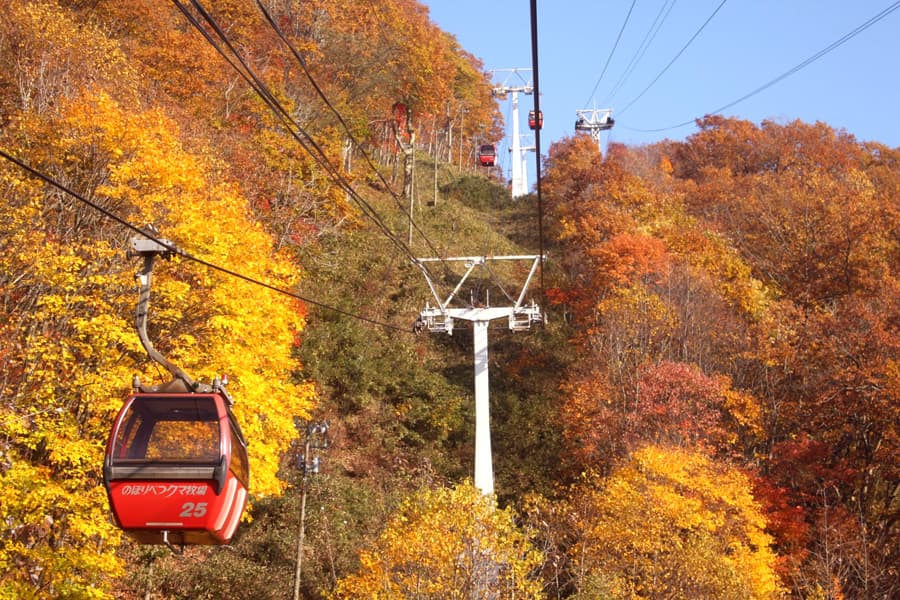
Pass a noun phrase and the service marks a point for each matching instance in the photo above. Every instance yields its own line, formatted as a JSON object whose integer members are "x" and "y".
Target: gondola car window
{"x": 169, "y": 429}
{"x": 188, "y": 441}
{"x": 239, "y": 458}
{"x": 126, "y": 444}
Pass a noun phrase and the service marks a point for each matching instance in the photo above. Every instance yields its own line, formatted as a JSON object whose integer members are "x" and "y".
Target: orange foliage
{"x": 630, "y": 257}
{"x": 593, "y": 424}
{"x": 765, "y": 255}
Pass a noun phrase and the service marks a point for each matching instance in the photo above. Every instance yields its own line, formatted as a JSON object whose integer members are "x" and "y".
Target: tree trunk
{"x": 407, "y": 146}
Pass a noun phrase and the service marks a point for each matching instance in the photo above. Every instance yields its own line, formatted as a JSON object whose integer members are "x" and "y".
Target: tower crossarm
{"x": 471, "y": 263}
{"x": 514, "y": 80}
{"x": 502, "y": 90}
{"x": 440, "y": 318}
{"x": 534, "y": 265}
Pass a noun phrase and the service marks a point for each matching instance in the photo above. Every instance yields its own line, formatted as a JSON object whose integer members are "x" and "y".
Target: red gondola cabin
{"x": 536, "y": 119}
{"x": 487, "y": 155}
{"x": 176, "y": 468}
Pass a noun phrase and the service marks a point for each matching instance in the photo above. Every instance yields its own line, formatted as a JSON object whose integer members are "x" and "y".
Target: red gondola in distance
{"x": 487, "y": 155}
{"x": 535, "y": 119}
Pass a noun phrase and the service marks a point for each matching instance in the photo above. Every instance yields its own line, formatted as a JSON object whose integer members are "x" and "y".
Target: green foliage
{"x": 478, "y": 193}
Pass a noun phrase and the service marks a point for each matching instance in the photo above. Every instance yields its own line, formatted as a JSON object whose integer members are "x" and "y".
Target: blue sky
{"x": 745, "y": 45}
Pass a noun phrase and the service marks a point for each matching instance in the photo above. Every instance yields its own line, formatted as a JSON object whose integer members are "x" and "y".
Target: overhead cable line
{"x": 243, "y": 69}
{"x": 664, "y": 10}
{"x": 111, "y": 215}
{"x": 292, "y": 126}
{"x": 671, "y": 62}
{"x": 834, "y": 45}
{"x": 611, "y": 53}
{"x": 302, "y": 62}
{"x": 306, "y": 141}
{"x": 537, "y": 140}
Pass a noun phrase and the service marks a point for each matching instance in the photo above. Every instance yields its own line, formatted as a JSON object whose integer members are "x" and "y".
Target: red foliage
{"x": 676, "y": 404}
{"x": 787, "y": 521}
{"x": 556, "y": 296}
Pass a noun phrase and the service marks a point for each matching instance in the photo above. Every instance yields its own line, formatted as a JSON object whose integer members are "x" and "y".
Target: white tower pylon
{"x": 440, "y": 319}
{"x": 519, "y": 181}
{"x": 517, "y": 155}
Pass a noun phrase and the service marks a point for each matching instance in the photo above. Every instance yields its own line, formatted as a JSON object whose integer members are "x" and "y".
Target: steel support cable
{"x": 537, "y": 141}
{"x": 651, "y": 34}
{"x": 294, "y": 128}
{"x": 493, "y": 277}
{"x": 301, "y": 136}
{"x": 343, "y": 123}
{"x": 611, "y": 53}
{"x": 258, "y": 86}
{"x": 306, "y": 141}
{"x": 671, "y": 62}
{"x": 114, "y": 217}
{"x": 302, "y": 62}
{"x": 834, "y": 45}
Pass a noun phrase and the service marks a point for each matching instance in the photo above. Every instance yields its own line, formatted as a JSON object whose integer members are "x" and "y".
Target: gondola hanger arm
{"x": 149, "y": 249}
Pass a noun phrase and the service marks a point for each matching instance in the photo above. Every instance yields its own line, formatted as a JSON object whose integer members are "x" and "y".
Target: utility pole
{"x": 315, "y": 438}
{"x": 440, "y": 319}
{"x": 517, "y": 151}
{"x": 594, "y": 120}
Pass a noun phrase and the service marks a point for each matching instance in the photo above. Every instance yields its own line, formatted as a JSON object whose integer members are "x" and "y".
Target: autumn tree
{"x": 47, "y": 55}
{"x": 673, "y": 404}
{"x": 794, "y": 199}
{"x": 678, "y": 405}
{"x": 645, "y": 286}
{"x": 575, "y": 184}
{"x": 446, "y": 543}
{"x": 408, "y": 75}
{"x": 670, "y": 523}
{"x": 592, "y": 421}
{"x": 809, "y": 211}
{"x": 832, "y": 441}
{"x": 68, "y": 300}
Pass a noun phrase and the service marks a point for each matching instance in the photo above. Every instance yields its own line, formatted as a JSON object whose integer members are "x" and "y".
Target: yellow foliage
{"x": 446, "y": 544}
{"x": 638, "y": 320}
{"x": 672, "y": 523}
{"x": 56, "y": 56}
{"x": 54, "y": 535}
{"x": 206, "y": 316}
{"x": 69, "y": 346}
{"x": 712, "y": 253}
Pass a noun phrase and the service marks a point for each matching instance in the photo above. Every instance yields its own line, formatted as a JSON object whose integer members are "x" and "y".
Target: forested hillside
{"x": 709, "y": 411}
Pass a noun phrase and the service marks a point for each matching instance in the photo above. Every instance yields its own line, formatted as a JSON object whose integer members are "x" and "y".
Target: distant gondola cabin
{"x": 487, "y": 155}
{"x": 536, "y": 119}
